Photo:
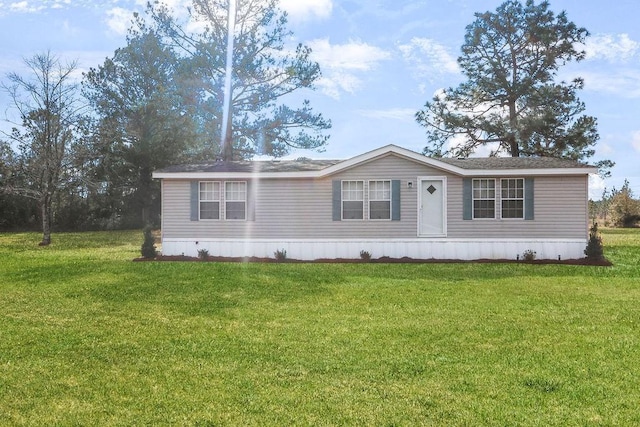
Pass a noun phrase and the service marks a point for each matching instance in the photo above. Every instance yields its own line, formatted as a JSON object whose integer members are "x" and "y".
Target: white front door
{"x": 432, "y": 205}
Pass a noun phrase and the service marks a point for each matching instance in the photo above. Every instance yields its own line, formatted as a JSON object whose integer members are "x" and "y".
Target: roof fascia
{"x": 530, "y": 172}
{"x": 233, "y": 175}
{"x": 390, "y": 149}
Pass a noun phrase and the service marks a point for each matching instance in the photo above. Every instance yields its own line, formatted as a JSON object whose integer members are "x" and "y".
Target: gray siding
{"x": 560, "y": 211}
{"x": 302, "y": 208}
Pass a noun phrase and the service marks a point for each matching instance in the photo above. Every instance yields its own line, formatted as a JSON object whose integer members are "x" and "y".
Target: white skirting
{"x": 445, "y": 249}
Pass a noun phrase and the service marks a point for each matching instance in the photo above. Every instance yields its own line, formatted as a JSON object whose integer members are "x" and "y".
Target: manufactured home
{"x": 389, "y": 202}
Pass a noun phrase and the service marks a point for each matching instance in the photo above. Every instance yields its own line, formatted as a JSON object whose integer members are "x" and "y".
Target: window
{"x": 484, "y": 198}
{"x": 379, "y": 199}
{"x": 512, "y": 198}
{"x": 235, "y": 195}
{"x": 352, "y": 199}
{"x": 209, "y": 200}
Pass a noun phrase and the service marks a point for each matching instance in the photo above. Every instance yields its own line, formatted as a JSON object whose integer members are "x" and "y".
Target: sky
{"x": 381, "y": 60}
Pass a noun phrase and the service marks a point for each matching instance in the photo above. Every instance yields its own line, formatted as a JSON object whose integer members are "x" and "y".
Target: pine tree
{"x": 512, "y": 100}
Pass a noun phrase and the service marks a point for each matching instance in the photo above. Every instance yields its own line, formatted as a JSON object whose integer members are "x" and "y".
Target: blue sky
{"x": 381, "y": 61}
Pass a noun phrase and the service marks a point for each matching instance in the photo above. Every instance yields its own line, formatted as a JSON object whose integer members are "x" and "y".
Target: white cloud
{"x": 401, "y": 114}
{"x": 172, "y": 4}
{"x": 351, "y": 56}
{"x": 454, "y": 142}
{"x": 605, "y": 149}
{"x": 624, "y": 83}
{"x": 69, "y": 29}
{"x": 25, "y": 7}
{"x": 119, "y": 20}
{"x": 596, "y": 186}
{"x": 335, "y": 83}
{"x": 484, "y": 150}
{"x": 340, "y": 64}
{"x": 428, "y": 58}
{"x": 34, "y": 6}
{"x": 19, "y": 6}
{"x": 635, "y": 141}
{"x": 59, "y": 4}
{"x": 302, "y": 10}
{"x": 13, "y": 64}
{"x": 611, "y": 47}
{"x": 178, "y": 7}
{"x": 85, "y": 59}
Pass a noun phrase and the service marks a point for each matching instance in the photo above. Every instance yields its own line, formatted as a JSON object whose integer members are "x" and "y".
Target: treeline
{"x": 81, "y": 152}
{"x": 616, "y": 208}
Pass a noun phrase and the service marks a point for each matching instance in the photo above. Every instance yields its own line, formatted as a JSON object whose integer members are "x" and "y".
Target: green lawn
{"x": 88, "y": 337}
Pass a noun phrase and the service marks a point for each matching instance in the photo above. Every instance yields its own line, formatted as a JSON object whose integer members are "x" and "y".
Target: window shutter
{"x": 337, "y": 200}
{"x": 395, "y": 200}
{"x": 528, "y": 198}
{"x": 195, "y": 196}
{"x": 251, "y": 200}
{"x": 467, "y": 201}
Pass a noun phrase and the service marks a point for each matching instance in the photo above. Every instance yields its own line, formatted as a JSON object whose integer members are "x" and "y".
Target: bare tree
{"x": 47, "y": 102}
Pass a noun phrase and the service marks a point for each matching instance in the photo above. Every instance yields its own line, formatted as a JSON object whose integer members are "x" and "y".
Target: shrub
{"x": 594, "y": 249}
{"x": 624, "y": 210}
{"x": 365, "y": 255}
{"x": 529, "y": 255}
{"x": 148, "y": 249}
{"x": 203, "y": 254}
{"x": 280, "y": 255}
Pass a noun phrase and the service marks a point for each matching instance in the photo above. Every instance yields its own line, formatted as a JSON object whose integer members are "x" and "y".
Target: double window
{"x": 511, "y": 198}
{"x": 235, "y": 195}
{"x": 352, "y": 199}
{"x": 211, "y": 199}
{"x": 377, "y": 200}
{"x": 484, "y": 198}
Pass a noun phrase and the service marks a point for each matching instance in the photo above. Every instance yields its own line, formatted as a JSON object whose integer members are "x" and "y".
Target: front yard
{"x": 88, "y": 337}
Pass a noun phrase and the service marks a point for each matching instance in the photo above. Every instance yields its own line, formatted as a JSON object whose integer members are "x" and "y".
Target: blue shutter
{"x": 195, "y": 196}
{"x": 337, "y": 200}
{"x": 528, "y": 198}
{"x": 395, "y": 200}
{"x": 467, "y": 200}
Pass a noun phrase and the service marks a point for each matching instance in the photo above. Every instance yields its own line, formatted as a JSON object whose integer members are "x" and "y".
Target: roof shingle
{"x": 488, "y": 163}
{"x": 258, "y": 166}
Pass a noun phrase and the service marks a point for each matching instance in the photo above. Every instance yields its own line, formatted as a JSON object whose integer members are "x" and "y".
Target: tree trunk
{"x": 45, "y": 207}
{"x": 227, "y": 144}
{"x": 514, "y": 148}
{"x": 144, "y": 194}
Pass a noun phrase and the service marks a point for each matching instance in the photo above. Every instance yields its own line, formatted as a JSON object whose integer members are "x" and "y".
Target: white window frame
{"x": 350, "y": 191}
{"x": 233, "y": 200}
{"x": 212, "y": 193}
{"x": 474, "y": 198}
{"x": 376, "y": 199}
{"x": 508, "y": 198}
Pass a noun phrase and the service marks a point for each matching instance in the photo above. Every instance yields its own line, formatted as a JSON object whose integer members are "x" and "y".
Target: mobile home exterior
{"x": 390, "y": 202}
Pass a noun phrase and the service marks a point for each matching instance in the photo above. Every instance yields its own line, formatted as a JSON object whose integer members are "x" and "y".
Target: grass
{"x": 88, "y": 337}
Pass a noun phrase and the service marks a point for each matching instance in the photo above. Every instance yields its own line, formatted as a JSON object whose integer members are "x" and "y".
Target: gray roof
{"x": 488, "y": 163}
{"x": 299, "y": 165}
{"x": 308, "y": 165}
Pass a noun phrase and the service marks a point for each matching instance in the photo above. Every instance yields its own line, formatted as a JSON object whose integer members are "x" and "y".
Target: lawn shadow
{"x": 211, "y": 288}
